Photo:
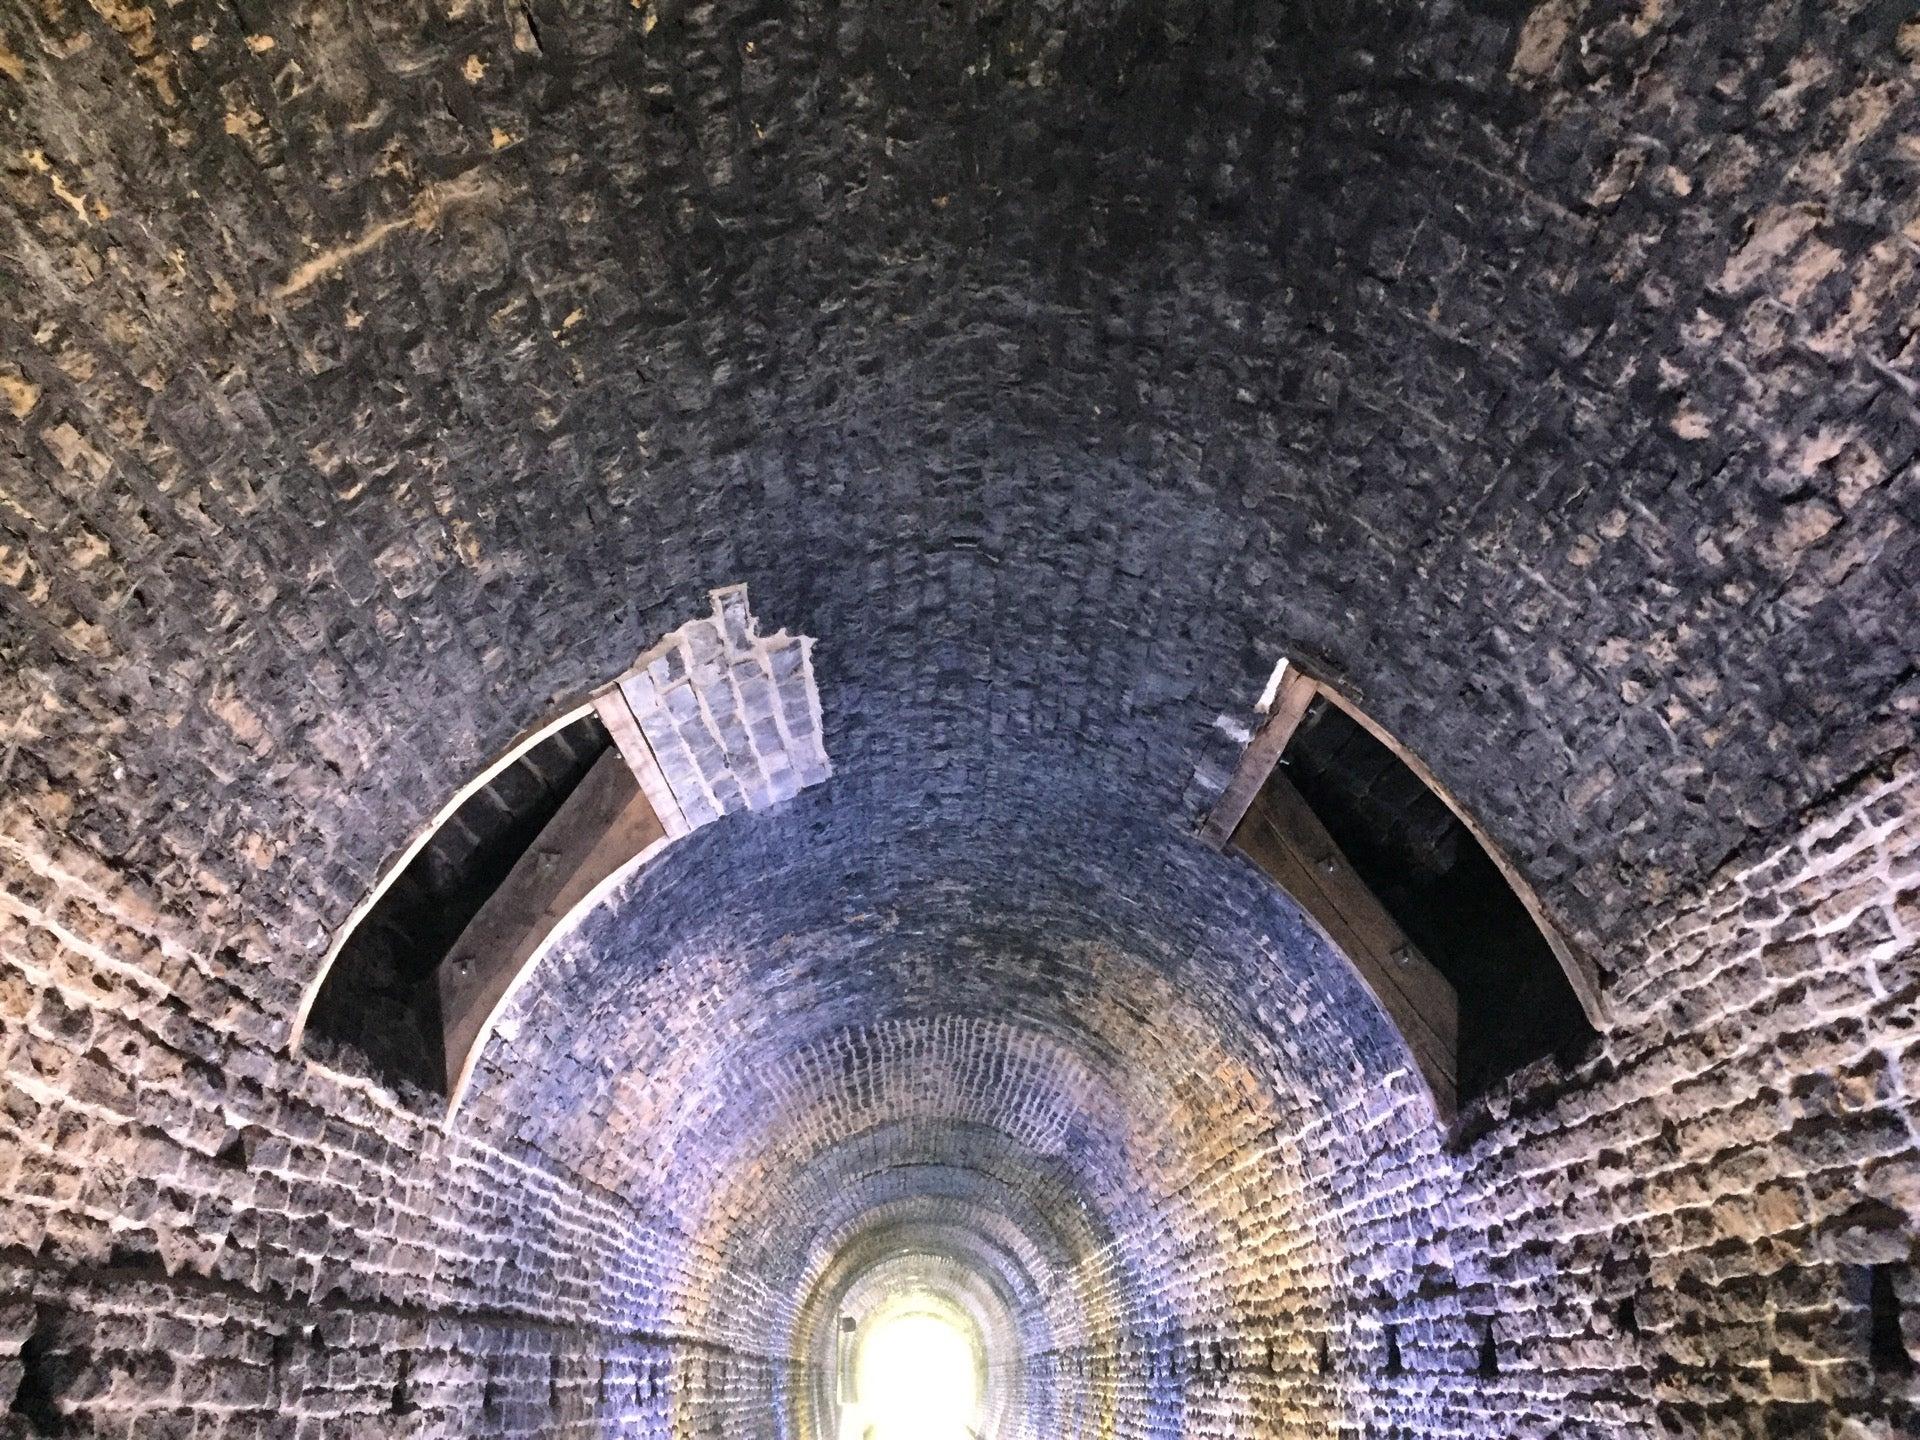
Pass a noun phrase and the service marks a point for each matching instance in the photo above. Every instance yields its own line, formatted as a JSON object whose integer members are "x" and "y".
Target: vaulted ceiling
{"x": 384, "y": 376}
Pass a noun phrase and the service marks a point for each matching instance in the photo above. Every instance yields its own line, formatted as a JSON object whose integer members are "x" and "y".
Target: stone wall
{"x": 375, "y": 377}
{"x": 1677, "y": 1237}
{"x": 202, "y": 1233}
{"x": 731, "y": 716}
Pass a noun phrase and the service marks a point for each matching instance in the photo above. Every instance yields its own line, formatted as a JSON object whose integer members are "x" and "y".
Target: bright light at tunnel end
{"x": 916, "y": 1376}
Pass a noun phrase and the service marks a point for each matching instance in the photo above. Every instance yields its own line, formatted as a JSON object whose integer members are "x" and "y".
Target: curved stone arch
{"x": 713, "y": 718}
{"x": 986, "y": 1203}
{"x": 1403, "y": 342}
{"x": 1262, "y": 814}
{"x": 422, "y": 837}
{"x": 722, "y": 952}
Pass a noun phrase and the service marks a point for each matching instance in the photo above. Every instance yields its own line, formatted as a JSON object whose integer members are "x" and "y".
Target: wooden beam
{"x": 614, "y": 712}
{"x": 600, "y": 830}
{"x": 1580, "y": 973}
{"x": 1282, "y": 836}
{"x": 1258, "y": 759}
{"x": 397, "y": 866}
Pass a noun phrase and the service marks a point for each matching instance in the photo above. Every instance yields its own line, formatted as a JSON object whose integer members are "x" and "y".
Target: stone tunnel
{"x": 1020, "y": 719}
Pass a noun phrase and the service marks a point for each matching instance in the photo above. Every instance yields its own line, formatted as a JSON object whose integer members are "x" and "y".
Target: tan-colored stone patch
{"x": 1612, "y": 187}
{"x": 38, "y": 163}
{"x": 1774, "y": 234}
{"x": 432, "y": 204}
{"x": 1803, "y": 526}
{"x": 74, "y": 453}
{"x": 240, "y": 718}
{"x": 88, "y": 638}
{"x": 20, "y": 393}
{"x": 1815, "y": 262}
{"x": 1816, "y": 451}
{"x": 1690, "y": 424}
{"x": 134, "y": 24}
{"x": 1876, "y": 281}
{"x": 1542, "y": 39}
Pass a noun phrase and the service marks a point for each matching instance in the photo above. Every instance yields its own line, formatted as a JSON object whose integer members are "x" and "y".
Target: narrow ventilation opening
{"x": 1886, "y": 1340}
{"x": 43, "y": 1377}
{"x": 490, "y": 1408}
{"x": 1439, "y": 884}
{"x": 402, "y": 1401}
{"x": 280, "y": 1365}
{"x": 1626, "y": 1317}
{"x": 1487, "y": 1365}
{"x": 380, "y": 998}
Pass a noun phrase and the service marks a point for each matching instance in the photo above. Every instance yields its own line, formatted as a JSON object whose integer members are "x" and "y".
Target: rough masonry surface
{"x": 376, "y": 377}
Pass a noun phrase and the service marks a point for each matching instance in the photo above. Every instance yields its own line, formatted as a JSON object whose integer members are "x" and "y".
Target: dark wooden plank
{"x": 1282, "y": 836}
{"x": 1420, "y": 1027}
{"x": 605, "y": 823}
{"x": 1258, "y": 759}
{"x": 1374, "y": 930}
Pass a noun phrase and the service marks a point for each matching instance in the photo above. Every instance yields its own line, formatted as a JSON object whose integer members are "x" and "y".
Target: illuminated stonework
{"x": 378, "y": 380}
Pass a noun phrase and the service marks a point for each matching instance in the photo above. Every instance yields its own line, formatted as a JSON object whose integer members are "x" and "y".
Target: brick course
{"x": 374, "y": 378}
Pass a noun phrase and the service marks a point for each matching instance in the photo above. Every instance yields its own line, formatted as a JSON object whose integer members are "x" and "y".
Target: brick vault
{"x": 464, "y": 974}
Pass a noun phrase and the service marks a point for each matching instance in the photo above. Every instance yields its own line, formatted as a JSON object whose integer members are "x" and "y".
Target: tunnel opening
{"x": 918, "y": 1329}
{"x": 917, "y": 1374}
{"x": 1542, "y": 375}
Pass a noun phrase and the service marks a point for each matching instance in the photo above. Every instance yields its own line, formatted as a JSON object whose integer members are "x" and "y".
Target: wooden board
{"x": 1580, "y": 972}
{"x": 398, "y": 865}
{"x": 604, "y": 825}
{"x": 614, "y": 712}
{"x": 1285, "y": 839}
{"x": 1258, "y": 759}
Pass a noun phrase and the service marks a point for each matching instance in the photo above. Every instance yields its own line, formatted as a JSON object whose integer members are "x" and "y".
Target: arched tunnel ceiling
{"x": 1058, "y": 368}
{"x": 1092, "y": 357}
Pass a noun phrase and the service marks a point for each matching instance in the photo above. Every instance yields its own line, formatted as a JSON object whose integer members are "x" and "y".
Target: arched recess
{"x": 946, "y": 1268}
{"x": 1439, "y": 924}
{"x": 712, "y": 719}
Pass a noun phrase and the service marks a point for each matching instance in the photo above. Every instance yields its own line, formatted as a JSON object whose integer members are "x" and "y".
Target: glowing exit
{"x": 916, "y": 1376}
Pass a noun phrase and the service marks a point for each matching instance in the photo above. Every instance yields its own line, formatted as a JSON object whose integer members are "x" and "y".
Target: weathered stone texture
{"x": 375, "y": 377}
{"x": 198, "y": 1227}
{"x": 732, "y": 716}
